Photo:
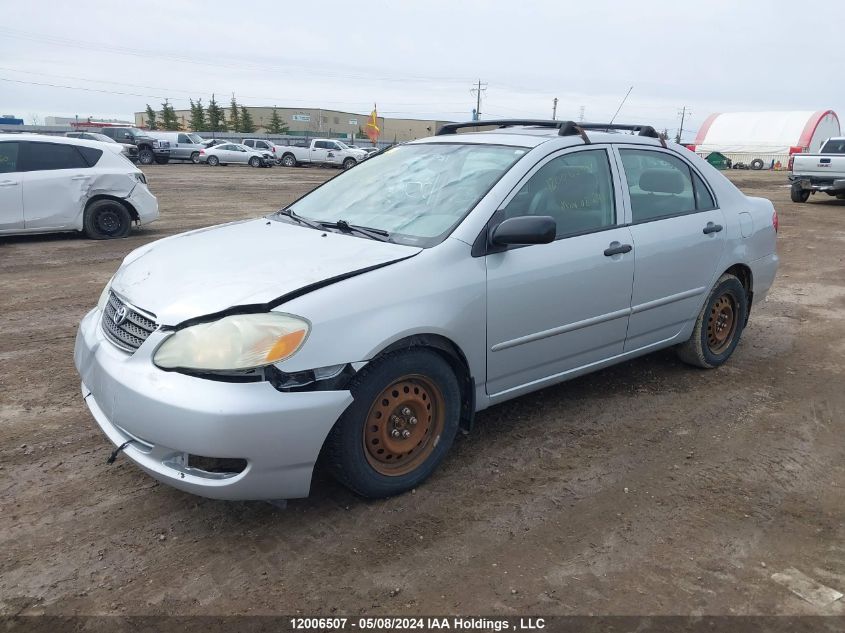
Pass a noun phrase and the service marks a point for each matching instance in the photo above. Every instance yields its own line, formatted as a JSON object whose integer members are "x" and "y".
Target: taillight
{"x": 202, "y": 151}
{"x": 790, "y": 163}
{"x": 273, "y": 148}
{"x": 775, "y": 222}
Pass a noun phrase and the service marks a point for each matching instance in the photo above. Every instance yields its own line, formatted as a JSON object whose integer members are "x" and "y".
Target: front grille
{"x": 128, "y": 331}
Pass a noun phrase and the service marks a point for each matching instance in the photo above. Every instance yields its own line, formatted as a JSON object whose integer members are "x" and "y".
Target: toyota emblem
{"x": 119, "y": 316}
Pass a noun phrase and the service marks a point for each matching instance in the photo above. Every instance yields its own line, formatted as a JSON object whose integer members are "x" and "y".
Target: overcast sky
{"x": 419, "y": 59}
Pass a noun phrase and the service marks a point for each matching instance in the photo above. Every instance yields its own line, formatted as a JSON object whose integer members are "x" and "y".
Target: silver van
{"x": 183, "y": 145}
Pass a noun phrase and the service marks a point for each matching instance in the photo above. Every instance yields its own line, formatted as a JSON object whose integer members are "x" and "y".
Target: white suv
{"x": 52, "y": 183}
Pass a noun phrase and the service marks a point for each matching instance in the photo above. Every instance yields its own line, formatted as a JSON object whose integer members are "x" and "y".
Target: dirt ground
{"x": 648, "y": 488}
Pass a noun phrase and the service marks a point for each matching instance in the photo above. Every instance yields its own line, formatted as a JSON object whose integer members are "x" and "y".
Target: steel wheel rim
{"x": 404, "y": 425}
{"x": 721, "y": 323}
{"x": 107, "y": 221}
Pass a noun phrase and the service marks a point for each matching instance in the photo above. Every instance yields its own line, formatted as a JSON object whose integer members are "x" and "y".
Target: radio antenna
{"x": 621, "y": 104}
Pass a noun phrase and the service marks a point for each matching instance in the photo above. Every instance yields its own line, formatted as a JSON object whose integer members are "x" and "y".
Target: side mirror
{"x": 527, "y": 229}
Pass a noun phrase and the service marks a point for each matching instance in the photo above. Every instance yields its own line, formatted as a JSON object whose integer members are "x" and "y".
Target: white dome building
{"x": 767, "y": 137}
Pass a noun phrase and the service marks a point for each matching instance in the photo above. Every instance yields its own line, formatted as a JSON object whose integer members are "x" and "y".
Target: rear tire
{"x": 718, "y": 326}
{"x": 213, "y": 161}
{"x": 798, "y": 194}
{"x": 289, "y": 160}
{"x": 399, "y": 427}
{"x": 106, "y": 219}
{"x": 195, "y": 158}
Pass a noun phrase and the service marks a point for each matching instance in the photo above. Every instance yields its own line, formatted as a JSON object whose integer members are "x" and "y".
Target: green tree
{"x": 216, "y": 116}
{"x": 169, "y": 120}
{"x": 151, "y": 118}
{"x": 247, "y": 124}
{"x": 276, "y": 125}
{"x": 198, "y": 123}
{"x": 234, "y": 116}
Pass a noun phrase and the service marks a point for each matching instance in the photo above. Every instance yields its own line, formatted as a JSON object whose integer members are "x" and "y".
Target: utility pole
{"x": 554, "y": 110}
{"x": 581, "y": 113}
{"x": 683, "y": 114}
{"x": 477, "y": 90}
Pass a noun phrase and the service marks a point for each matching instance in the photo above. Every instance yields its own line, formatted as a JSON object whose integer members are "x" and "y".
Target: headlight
{"x": 241, "y": 341}
{"x": 104, "y": 297}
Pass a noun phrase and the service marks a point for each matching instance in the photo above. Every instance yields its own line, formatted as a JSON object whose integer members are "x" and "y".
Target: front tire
{"x": 718, "y": 326}
{"x": 106, "y": 219}
{"x": 400, "y": 426}
{"x": 146, "y": 156}
{"x": 797, "y": 194}
{"x": 213, "y": 161}
{"x": 255, "y": 162}
{"x": 349, "y": 163}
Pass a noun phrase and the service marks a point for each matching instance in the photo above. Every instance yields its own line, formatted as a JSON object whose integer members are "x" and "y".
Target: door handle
{"x": 712, "y": 228}
{"x": 8, "y": 183}
{"x": 616, "y": 248}
{"x": 78, "y": 177}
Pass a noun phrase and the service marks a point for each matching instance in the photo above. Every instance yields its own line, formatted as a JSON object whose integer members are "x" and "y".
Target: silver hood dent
{"x": 244, "y": 263}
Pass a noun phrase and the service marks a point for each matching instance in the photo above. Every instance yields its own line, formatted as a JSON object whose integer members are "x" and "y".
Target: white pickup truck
{"x": 819, "y": 172}
{"x": 321, "y": 151}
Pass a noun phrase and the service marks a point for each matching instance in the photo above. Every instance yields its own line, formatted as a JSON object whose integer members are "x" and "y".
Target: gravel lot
{"x": 648, "y": 488}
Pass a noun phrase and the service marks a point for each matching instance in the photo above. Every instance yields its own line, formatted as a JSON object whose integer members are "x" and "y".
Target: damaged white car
{"x": 50, "y": 184}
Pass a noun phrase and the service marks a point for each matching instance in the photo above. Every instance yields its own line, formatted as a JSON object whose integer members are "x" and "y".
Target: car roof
{"x": 46, "y": 138}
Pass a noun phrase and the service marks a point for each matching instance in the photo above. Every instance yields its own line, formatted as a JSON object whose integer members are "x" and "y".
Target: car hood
{"x": 244, "y": 263}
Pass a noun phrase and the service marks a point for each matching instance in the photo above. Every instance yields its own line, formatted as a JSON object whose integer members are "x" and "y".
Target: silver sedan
{"x": 370, "y": 320}
{"x": 234, "y": 154}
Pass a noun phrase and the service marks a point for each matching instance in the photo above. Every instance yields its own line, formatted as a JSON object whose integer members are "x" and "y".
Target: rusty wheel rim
{"x": 721, "y": 324}
{"x": 404, "y": 425}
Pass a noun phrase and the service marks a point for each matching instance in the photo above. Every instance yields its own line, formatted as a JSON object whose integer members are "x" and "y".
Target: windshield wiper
{"x": 290, "y": 213}
{"x": 344, "y": 226}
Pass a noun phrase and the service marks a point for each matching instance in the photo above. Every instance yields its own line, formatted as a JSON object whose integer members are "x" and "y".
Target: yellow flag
{"x": 372, "y": 129}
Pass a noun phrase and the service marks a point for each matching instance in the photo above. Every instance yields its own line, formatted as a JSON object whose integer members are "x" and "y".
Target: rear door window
{"x": 52, "y": 156}
{"x": 660, "y": 185}
{"x": 249, "y": 143}
{"x": 9, "y": 157}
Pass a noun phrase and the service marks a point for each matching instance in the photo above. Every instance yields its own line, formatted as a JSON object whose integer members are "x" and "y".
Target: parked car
{"x": 150, "y": 149}
{"x": 483, "y": 266}
{"x": 823, "y": 172}
{"x": 235, "y": 154}
{"x": 183, "y": 145}
{"x": 264, "y": 146}
{"x": 129, "y": 150}
{"x": 322, "y": 151}
{"x": 53, "y": 183}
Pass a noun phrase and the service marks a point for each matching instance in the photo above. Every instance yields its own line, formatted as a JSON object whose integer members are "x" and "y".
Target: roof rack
{"x": 564, "y": 128}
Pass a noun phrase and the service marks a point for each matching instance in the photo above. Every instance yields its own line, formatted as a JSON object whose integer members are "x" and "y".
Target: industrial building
{"x": 770, "y": 137}
{"x": 328, "y": 123}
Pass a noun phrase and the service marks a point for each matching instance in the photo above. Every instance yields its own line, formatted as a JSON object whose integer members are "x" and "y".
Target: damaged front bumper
{"x": 217, "y": 439}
